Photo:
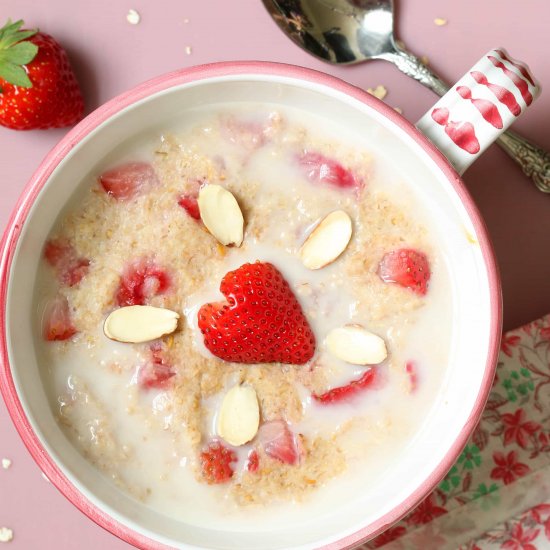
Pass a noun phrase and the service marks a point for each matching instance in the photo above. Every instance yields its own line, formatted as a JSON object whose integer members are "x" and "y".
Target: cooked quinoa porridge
{"x": 314, "y": 316}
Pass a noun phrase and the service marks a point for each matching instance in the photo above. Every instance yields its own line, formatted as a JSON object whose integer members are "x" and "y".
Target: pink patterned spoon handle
{"x": 510, "y": 88}
{"x": 477, "y": 110}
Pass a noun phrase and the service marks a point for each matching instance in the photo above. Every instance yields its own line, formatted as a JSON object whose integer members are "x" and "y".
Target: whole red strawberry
{"x": 38, "y": 88}
{"x": 261, "y": 322}
{"x": 406, "y": 267}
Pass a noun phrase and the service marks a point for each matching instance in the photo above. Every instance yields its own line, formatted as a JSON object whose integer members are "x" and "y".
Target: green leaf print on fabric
{"x": 518, "y": 383}
{"x": 489, "y": 495}
{"x": 451, "y": 481}
{"x": 470, "y": 457}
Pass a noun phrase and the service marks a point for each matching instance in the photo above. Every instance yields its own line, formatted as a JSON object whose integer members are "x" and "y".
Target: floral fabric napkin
{"x": 497, "y": 495}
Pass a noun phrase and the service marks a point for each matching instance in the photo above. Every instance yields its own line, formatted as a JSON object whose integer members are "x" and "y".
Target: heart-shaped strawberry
{"x": 261, "y": 321}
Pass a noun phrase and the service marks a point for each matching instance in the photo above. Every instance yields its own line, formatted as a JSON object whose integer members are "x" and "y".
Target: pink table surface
{"x": 111, "y": 56}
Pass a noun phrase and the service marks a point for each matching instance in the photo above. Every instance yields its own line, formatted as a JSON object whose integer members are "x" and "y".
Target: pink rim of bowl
{"x": 151, "y": 87}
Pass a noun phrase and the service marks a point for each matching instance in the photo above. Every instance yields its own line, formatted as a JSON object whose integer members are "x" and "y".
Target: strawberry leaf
{"x": 14, "y": 74}
{"x": 16, "y": 51}
{"x": 20, "y": 54}
{"x": 10, "y": 28}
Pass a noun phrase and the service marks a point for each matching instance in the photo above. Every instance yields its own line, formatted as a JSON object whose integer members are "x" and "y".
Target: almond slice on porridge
{"x": 327, "y": 241}
{"x": 239, "y": 416}
{"x": 136, "y": 324}
{"x": 221, "y": 214}
{"x": 356, "y": 345}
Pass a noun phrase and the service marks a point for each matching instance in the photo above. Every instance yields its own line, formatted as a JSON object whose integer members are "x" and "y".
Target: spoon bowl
{"x": 338, "y": 31}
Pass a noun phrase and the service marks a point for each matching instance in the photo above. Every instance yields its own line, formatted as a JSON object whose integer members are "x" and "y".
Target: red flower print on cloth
{"x": 521, "y": 540}
{"x": 541, "y": 515}
{"x": 427, "y": 538}
{"x": 508, "y": 342}
{"x": 508, "y": 468}
{"x": 517, "y": 429}
{"x": 545, "y": 333}
{"x": 426, "y": 511}
{"x": 388, "y": 536}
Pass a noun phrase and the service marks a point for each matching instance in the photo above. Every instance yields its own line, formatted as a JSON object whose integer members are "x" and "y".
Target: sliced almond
{"x": 221, "y": 214}
{"x": 355, "y": 344}
{"x": 327, "y": 241}
{"x": 239, "y": 416}
{"x": 135, "y": 324}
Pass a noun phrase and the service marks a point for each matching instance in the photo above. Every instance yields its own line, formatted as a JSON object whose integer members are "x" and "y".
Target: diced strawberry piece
{"x": 253, "y": 463}
{"x": 216, "y": 463}
{"x": 406, "y": 267}
{"x": 75, "y": 272}
{"x": 140, "y": 281}
{"x": 410, "y": 369}
{"x": 154, "y": 375}
{"x": 57, "y": 251}
{"x": 70, "y": 268}
{"x": 156, "y": 372}
{"x": 128, "y": 180}
{"x": 57, "y": 324}
{"x": 249, "y": 135}
{"x": 318, "y": 168}
{"x": 261, "y": 322}
{"x": 190, "y": 204}
{"x": 280, "y": 443}
{"x": 347, "y": 392}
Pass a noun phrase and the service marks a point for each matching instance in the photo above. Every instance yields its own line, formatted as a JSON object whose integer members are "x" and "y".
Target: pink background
{"x": 111, "y": 56}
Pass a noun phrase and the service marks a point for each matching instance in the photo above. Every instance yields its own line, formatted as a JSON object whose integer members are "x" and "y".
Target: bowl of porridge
{"x": 248, "y": 305}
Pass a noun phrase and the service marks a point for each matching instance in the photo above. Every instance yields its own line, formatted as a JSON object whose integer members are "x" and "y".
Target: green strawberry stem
{"x": 15, "y": 52}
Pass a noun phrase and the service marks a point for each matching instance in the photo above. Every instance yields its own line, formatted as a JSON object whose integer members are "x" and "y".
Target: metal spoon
{"x": 352, "y": 31}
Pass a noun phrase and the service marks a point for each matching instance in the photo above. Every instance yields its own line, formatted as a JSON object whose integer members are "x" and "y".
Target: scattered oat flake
{"x": 5, "y": 534}
{"x": 188, "y": 50}
{"x": 133, "y": 17}
{"x": 398, "y": 109}
{"x": 45, "y": 477}
{"x": 401, "y": 44}
{"x": 471, "y": 238}
{"x": 440, "y": 22}
{"x": 380, "y": 91}
{"x": 6, "y": 463}
{"x": 425, "y": 60}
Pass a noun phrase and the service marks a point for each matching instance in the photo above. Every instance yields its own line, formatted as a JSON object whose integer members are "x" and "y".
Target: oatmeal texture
{"x": 279, "y": 209}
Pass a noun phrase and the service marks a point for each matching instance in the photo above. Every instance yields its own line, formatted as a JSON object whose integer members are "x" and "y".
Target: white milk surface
{"x": 100, "y": 378}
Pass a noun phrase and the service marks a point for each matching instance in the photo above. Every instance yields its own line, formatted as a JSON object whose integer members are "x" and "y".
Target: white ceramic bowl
{"x": 475, "y": 282}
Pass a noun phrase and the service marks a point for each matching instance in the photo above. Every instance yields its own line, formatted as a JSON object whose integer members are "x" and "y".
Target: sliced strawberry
{"x": 318, "y": 168}
{"x": 57, "y": 324}
{"x": 280, "y": 442}
{"x": 406, "y": 267}
{"x": 140, "y": 281}
{"x": 70, "y": 268}
{"x": 253, "y": 462}
{"x": 128, "y": 180}
{"x": 157, "y": 371}
{"x": 347, "y": 392}
{"x": 410, "y": 369}
{"x": 261, "y": 322}
{"x": 190, "y": 204}
{"x": 216, "y": 463}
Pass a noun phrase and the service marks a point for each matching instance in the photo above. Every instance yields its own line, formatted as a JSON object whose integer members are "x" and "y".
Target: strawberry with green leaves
{"x": 38, "y": 88}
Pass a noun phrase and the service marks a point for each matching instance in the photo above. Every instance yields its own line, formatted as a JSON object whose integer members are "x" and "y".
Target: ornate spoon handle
{"x": 412, "y": 66}
{"x": 533, "y": 160}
